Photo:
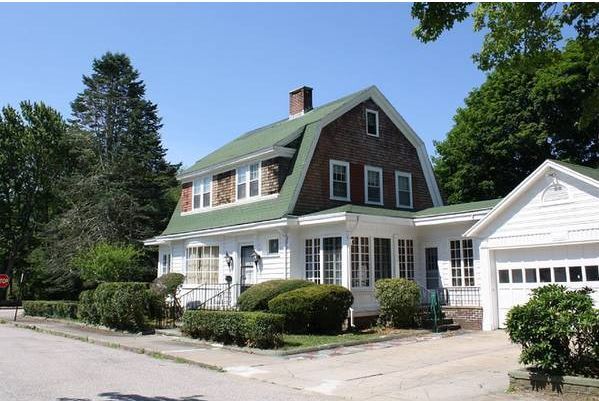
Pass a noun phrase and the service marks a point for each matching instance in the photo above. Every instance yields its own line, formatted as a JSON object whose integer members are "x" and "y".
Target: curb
{"x": 108, "y": 344}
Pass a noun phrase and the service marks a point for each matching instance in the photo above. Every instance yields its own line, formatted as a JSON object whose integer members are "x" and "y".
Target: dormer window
{"x": 372, "y": 122}
{"x": 201, "y": 192}
{"x": 248, "y": 181}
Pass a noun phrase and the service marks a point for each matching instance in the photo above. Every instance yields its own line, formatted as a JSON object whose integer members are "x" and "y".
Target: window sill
{"x": 340, "y": 199}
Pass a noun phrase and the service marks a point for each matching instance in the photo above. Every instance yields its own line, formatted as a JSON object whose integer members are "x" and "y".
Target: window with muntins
{"x": 405, "y": 252}
{"x": 339, "y": 180}
{"x": 312, "y": 250}
{"x": 202, "y": 265}
{"x": 360, "y": 262}
{"x": 248, "y": 181}
{"x": 201, "y": 192}
{"x": 331, "y": 257}
{"x": 403, "y": 186}
{"x": 462, "y": 263}
{"x": 373, "y": 180}
{"x": 382, "y": 258}
{"x": 372, "y": 122}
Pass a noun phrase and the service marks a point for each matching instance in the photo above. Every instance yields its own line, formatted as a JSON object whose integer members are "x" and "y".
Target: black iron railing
{"x": 211, "y": 296}
{"x": 451, "y": 296}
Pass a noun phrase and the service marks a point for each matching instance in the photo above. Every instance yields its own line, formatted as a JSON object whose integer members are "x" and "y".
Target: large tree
{"x": 529, "y": 109}
{"x": 32, "y": 160}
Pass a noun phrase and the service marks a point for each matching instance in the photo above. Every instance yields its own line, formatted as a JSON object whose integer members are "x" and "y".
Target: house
{"x": 345, "y": 194}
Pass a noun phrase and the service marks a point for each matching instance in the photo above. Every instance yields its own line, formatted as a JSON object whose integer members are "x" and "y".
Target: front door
{"x": 432, "y": 268}
{"x": 247, "y": 267}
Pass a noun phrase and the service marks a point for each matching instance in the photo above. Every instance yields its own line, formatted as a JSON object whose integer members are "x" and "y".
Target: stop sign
{"x": 4, "y": 280}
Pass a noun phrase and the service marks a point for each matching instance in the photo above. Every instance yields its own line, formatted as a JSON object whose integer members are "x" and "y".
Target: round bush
{"x": 399, "y": 300}
{"x": 256, "y": 297}
{"x": 313, "y": 309}
{"x": 125, "y": 306}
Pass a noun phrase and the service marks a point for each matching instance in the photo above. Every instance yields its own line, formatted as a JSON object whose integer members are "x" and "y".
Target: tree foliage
{"x": 105, "y": 262}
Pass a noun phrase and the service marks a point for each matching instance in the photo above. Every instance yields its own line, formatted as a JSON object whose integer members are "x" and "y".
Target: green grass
{"x": 292, "y": 341}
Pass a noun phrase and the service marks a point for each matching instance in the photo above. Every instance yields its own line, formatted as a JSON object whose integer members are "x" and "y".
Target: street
{"x": 37, "y": 366}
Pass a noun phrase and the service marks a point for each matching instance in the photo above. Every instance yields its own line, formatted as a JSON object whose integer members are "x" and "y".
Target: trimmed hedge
{"x": 87, "y": 310}
{"x": 399, "y": 300}
{"x": 256, "y": 297}
{"x": 252, "y": 329}
{"x": 313, "y": 309}
{"x": 59, "y": 309}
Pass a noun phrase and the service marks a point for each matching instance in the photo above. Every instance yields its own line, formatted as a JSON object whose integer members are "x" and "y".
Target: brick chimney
{"x": 300, "y": 101}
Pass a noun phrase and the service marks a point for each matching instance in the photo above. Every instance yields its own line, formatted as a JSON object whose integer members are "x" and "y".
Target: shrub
{"x": 558, "y": 330}
{"x": 87, "y": 310}
{"x": 168, "y": 284}
{"x": 313, "y": 309}
{"x": 126, "y": 306}
{"x": 399, "y": 300}
{"x": 252, "y": 329}
{"x": 105, "y": 262}
{"x": 59, "y": 309}
{"x": 256, "y": 297}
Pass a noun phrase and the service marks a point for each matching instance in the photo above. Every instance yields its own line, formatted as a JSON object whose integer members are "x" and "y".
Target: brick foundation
{"x": 468, "y": 317}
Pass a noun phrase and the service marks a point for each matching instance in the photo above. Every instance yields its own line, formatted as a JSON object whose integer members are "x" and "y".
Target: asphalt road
{"x": 36, "y": 366}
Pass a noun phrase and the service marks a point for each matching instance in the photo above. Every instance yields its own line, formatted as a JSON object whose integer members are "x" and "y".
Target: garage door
{"x": 520, "y": 270}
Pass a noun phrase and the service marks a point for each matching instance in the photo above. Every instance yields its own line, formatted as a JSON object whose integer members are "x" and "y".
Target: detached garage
{"x": 545, "y": 231}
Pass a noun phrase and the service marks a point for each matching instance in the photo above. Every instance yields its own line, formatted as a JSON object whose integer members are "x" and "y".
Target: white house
{"x": 345, "y": 194}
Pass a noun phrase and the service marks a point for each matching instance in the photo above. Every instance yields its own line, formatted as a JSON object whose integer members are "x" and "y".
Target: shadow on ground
{"x": 114, "y": 396}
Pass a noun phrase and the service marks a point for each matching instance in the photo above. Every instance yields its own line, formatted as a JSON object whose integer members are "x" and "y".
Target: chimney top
{"x": 300, "y": 101}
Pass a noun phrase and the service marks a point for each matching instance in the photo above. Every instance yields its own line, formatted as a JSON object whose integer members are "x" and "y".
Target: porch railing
{"x": 211, "y": 296}
{"x": 452, "y": 296}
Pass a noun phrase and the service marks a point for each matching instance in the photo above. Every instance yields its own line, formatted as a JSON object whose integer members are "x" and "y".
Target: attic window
{"x": 372, "y": 122}
{"x": 555, "y": 192}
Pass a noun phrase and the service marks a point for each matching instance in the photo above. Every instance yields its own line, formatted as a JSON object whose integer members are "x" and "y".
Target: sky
{"x": 219, "y": 70}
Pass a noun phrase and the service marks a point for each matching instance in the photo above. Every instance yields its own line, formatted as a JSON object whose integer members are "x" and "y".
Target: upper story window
{"x": 403, "y": 187}
{"x": 373, "y": 183}
{"x": 248, "y": 181}
{"x": 339, "y": 180}
{"x": 202, "y": 188}
{"x": 372, "y": 122}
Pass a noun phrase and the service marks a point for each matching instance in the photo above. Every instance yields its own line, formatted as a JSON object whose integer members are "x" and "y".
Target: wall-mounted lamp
{"x": 257, "y": 258}
{"x": 228, "y": 260}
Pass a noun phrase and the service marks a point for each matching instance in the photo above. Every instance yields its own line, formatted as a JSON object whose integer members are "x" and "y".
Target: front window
{"x": 373, "y": 180}
{"x": 360, "y": 262}
{"x": 331, "y": 260}
{"x": 405, "y": 252}
{"x": 202, "y": 265}
{"x": 201, "y": 192}
{"x": 339, "y": 180}
{"x": 403, "y": 186}
{"x": 382, "y": 258}
{"x": 313, "y": 260}
{"x": 462, "y": 263}
{"x": 372, "y": 122}
{"x": 432, "y": 267}
{"x": 166, "y": 263}
{"x": 248, "y": 181}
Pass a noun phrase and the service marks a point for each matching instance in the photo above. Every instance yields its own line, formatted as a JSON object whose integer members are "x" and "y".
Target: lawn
{"x": 292, "y": 341}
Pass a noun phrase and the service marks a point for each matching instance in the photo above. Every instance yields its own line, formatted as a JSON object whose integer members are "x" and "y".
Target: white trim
{"x": 232, "y": 204}
{"x": 380, "y": 171}
{"x": 450, "y": 218}
{"x": 273, "y": 254}
{"x": 345, "y": 164}
{"x": 247, "y": 182}
{"x": 376, "y": 118}
{"x": 193, "y": 194}
{"x": 409, "y": 177}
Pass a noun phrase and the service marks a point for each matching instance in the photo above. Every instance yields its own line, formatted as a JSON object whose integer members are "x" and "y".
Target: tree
{"x": 512, "y": 29}
{"x": 32, "y": 159}
{"x": 526, "y": 111}
{"x": 105, "y": 262}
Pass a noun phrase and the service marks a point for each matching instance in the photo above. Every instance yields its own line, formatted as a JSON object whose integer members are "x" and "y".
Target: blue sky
{"x": 219, "y": 70}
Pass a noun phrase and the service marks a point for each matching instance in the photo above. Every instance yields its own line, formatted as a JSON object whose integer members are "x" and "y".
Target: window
{"x": 248, "y": 181}
{"x": 313, "y": 260}
{"x": 372, "y": 122}
{"x": 462, "y": 263}
{"x": 592, "y": 273}
{"x": 339, "y": 180}
{"x": 504, "y": 276}
{"x": 531, "y": 275}
{"x": 517, "y": 276}
{"x": 373, "y": 185}
{"x": 575, "y": 273}
{"x": 201, "y": 192}
{"x": 331, "y": 257}
{"x": 403, "y": 186}
{"x": 560, "y": 274}
{"x": 405, "y": 252}
{"x": 432, "y": 268}
{"x": 382, "y": 258}
{"x": 545, "y": 275}
{"x": 273, "y": 246}
{"x": 360, "y": 262}
{"x": 202, "y": 265}
{"x": 166, "y": 263}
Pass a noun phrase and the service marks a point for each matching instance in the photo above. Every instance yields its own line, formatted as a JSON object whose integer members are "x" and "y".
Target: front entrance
{"x": 247, "y": 267}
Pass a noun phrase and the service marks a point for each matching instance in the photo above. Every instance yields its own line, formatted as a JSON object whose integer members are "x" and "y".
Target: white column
{"x": 345, "y": 258}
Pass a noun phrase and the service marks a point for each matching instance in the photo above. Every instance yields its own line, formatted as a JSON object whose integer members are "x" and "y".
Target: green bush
{"x": 58, "y": 309}
{"x": 399, "y": 300}
{"x": 87, "y": 310}
{"x": 313, "y": 309}
{"x": 252, "y": 329}
{"x": 256, "y": 297}
{"x": 125, "y": 306}
{"x": 168, "y": 284}
{"x": 105, "y": 262}
{"x": 558, "y": 330}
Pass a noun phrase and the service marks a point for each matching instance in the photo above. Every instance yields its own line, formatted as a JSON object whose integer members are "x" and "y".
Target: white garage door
{"x": 520, "y": 270}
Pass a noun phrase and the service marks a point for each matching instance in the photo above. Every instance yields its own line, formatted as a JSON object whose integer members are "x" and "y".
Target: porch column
{"x": 345, "y": 258}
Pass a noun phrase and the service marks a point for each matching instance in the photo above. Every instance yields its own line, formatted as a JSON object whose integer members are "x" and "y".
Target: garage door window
{"x": 504, "y": 276}
{"x": 559, "y": 274}
{"x": 575, "y": 274}
{"x": 545, "y": 275}
{"x": 517, "y": 276}
{"x": 531, "y": 275}
{"x": 592, "y": 273}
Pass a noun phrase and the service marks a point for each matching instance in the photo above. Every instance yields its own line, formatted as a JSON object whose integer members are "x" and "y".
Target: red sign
{"x": 4, "y": 280}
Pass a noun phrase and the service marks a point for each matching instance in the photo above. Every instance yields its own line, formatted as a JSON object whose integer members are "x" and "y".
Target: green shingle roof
{"x": 280, "y": 132}
{"x": 457, "y": 208}
{"x": 590, "y": 172}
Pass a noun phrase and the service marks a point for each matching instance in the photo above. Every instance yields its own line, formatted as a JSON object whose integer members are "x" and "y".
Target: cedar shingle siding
{"x": 274, "y": 172}
{"x": 223, "y": 187}
{"x": 345, "y": 139}
{"x": 186, "y": 197}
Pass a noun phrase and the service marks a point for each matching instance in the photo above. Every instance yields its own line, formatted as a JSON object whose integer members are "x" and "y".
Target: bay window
{"x": 323, "y": 263}
{"x": 405, "y": 252}
{"x": 360, "y": 262}
{"x": 382, "y": 258}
